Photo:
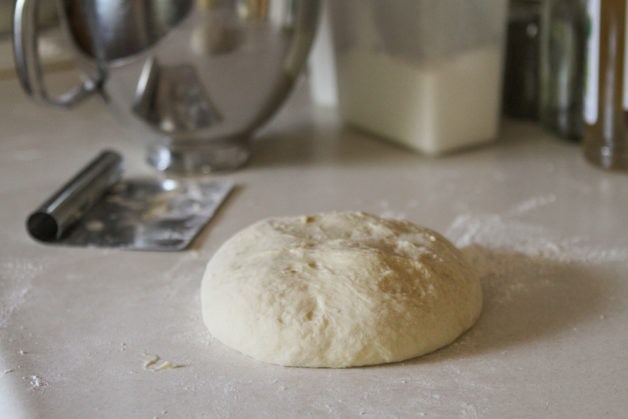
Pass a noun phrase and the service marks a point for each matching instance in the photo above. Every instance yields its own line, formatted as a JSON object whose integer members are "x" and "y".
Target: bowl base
{"x": 199, "y": 159}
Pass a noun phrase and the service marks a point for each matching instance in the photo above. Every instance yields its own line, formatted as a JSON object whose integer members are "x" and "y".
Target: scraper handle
{"x": 66, "y": 206}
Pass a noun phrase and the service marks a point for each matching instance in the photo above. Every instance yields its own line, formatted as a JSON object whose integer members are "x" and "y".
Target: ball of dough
{"x": 338, "y": 289}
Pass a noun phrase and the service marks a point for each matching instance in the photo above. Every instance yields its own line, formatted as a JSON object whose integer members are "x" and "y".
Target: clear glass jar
{"x": 424, "y": 74}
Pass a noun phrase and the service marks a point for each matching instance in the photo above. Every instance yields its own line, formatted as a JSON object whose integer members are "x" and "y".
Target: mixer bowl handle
{"x": 27, "y": 62}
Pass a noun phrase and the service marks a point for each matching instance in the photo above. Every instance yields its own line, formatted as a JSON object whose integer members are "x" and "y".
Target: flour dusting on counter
{"x": 35, "y": 382}
{"x": 526, "y": 264}
{"x": 500, "y": 232}
{"x": 531, "y": 204}
{"x": 15, "y": 292}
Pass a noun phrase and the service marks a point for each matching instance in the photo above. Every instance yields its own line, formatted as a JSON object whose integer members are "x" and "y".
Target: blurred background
{"x": 439, "y": 77}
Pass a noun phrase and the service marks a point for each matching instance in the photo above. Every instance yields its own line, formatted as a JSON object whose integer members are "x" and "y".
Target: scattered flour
{"x": 385, "y": 211}
{"x": 35, "y": 382}
{"x": 502, "y": 233}
{"x": 16, "y": 286}
{"x": 531, "y": 204}
{"x": 515, "y": 258}
{"x": 13, "y": 299}
{"x": 507, "y": 232}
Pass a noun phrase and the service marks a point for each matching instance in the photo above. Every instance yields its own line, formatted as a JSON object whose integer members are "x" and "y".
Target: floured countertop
{"x": 108, "y": 333}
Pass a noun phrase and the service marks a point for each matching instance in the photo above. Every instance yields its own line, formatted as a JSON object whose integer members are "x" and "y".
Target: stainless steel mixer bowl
{"x": 197, "y": 77}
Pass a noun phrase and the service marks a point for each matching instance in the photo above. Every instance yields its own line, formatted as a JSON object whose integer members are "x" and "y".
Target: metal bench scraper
{"x": 98, "y": 208}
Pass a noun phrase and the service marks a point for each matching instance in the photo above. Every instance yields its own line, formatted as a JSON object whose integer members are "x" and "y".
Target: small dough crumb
{"x": 167, "y": 365}
{"x": 152, "y": 364}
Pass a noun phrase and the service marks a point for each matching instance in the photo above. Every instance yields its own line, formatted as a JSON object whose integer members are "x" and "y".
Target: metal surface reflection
{"x": 114, "y": 29}
{"x": 196, "y": 77}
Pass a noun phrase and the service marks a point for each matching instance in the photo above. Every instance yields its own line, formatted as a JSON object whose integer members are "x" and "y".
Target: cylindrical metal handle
{"x": 25, "y": 42}
{"x": 55, "y": 216}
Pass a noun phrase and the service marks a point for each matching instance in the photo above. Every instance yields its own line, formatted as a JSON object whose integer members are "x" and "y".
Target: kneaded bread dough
{"x": 338, "y": 289}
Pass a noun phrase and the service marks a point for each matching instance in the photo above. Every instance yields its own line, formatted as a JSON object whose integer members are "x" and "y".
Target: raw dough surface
{"x": 338, "y": 290}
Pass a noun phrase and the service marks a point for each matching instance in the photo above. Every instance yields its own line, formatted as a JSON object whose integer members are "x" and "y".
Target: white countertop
{"x": 547, "y": 231}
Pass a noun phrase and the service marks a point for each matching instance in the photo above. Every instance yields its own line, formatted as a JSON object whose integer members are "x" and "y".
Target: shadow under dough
{"x": 526, "y": 298}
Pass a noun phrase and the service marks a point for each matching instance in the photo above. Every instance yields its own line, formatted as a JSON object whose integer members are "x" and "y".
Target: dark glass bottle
{"x": 521, "y": 73}
{"x": 563, "y": 45}
{"x": 605, "y": 142}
